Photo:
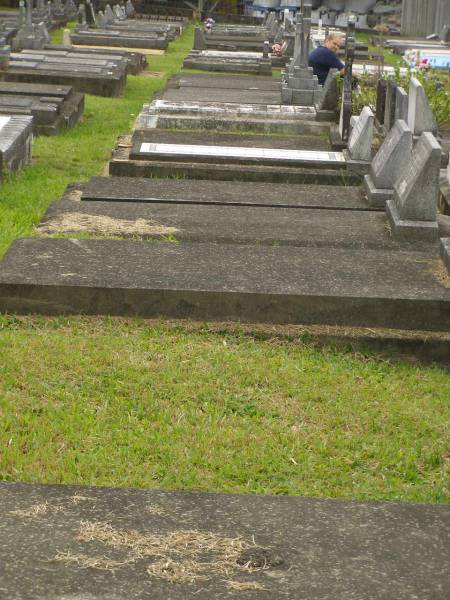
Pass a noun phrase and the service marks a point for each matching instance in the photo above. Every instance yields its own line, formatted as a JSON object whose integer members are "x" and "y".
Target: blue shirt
{"x": 322, "y": 60}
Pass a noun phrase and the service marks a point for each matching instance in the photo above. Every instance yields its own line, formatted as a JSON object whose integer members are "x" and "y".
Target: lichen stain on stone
{"x": 101, "y": 224}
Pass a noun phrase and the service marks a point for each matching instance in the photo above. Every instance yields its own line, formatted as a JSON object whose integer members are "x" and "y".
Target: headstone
{"x": 360, "y": 141}
{"x": 381, "y": 101}
{"x": 81, "y": 16}
{"x": 389, "y": 111}
{"x": 90, "y": 14}
{"x": 199, "y": 39}
{"x": 109, "y": 14}
{"x": 401, "y": 105}
{"x": 346, "y": 104}
{"x": 31, "y": 36}
{"x": 391, "y": 160}
{"x": 102, "y": 20}
{"x": 70, "y": 9}
{"x": 129, "y": 9}
{"x": 330, "y": 93}
{"x": 413, "y": 208}
{"x": 420, "y": 115}
{"x": 445, "y": 34}
{"x": 300, "y": 85}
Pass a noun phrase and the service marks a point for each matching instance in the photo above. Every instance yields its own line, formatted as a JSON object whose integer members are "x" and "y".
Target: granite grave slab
{"x": 227, "y": 82}
{"x": 310, "y": 546}
{"x": 16, "y": 137}
{"x": 400, "y": 289}
{"x": 239, "y": 96}
{"x": 135, "y": 61}
{"x": 238, "y": 62}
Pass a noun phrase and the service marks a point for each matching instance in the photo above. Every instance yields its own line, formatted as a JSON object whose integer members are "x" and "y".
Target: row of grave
{"x": 271, "y": 228}
{"x": 402, "y": 178}
{"x": 270, "y": 242}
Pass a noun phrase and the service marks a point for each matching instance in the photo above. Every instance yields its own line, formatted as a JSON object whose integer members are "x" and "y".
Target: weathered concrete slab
{"x": 119, "y": 37}
{"x": 238, "y": 62}
{"x": 239, "y": 193}
{"x": 52, "y": 107}
{"x": 223, "y": 138}
{"x": 225, "y": 224}
{"x": 375, "y": 288}
{"x": 136, "y": 61}
{"x": 308, "y": 546}
{"x": 228, "y": 82}
{"x": 197, "y": 94}
{"x": 16, "y": 137}
{"x": 228, "y": 116}
{"x": 99, "y": 76}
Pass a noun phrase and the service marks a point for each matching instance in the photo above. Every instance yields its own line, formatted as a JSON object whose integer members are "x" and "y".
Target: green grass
{"x": 80, "y": 153}
{"x": 129, "y": 403}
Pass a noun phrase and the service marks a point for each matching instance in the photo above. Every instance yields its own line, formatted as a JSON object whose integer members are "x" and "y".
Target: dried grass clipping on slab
{"x": 182, "y": 556}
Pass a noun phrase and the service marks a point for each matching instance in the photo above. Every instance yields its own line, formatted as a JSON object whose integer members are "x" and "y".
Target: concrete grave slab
{"x": 249, "y": 96}
{"x": 260, "y": 118}
{"x": 119, "y": 37}
{"x": 238, "y": 62}
{"x": 397, "y": 289}
{"x": 52, "y": 107}
{"x": 135, "y": 61}
{"x": 16, "y": 137}
{"x": 224, "y": 224}
{"x": 238, "y": 193}
{"x": 229, "y": 82}
{"x": 310, "y": 546}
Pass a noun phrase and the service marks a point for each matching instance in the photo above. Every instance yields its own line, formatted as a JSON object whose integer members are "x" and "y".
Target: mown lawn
{"x": 126, "y": 402}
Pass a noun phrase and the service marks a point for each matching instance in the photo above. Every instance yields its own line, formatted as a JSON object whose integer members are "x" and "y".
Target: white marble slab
{"x": 231, "y": 107}
{"x": 243, "y": 152}
{"x": 4, "y": 121}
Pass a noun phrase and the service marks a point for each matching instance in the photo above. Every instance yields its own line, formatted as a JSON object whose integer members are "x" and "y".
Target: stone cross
{"x": 412, "y": 210}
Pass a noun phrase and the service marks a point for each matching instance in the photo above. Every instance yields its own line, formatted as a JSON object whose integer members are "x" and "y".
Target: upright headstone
{"x": 401, "y": 105}
{"x": 129, "y": 9}
{"x": 81, "y": 15}
{"x": 360, "y": 140}
{"x": 70, "y": 9}
{"x": 420, "y": 115}
{"x": 300, "y": 85}
{"x": 346, "y": 104}
{"x": 391, "y": 160}
{"x": 102, "y": 21}
{"x": 391, "y": 97}
{"x": 199, "y": 39}
{"x": 381, "y": 101}
{"x": 31, "y": 36}
{"x": 109, "y": 14}
{"x": 90, "y": 14}
{"x": 413, "y": 207}
{"x": 330, "y": 94}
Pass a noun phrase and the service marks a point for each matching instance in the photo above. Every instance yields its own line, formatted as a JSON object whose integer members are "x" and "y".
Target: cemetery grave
{"x": 15, "y": 143}
{"x": 205, "y": 219}
{"x": 195, "y": 545}
{"x": 52, "y": 107}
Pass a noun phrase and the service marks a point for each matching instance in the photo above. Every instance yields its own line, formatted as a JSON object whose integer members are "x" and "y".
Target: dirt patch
{"x": 441, "y": 274}
{"x": 100, "y": 224}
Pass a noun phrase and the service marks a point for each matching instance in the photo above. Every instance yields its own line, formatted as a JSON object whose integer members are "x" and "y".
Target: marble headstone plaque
{"x": 420, "y": 115}
{"x": 360, "y": 142}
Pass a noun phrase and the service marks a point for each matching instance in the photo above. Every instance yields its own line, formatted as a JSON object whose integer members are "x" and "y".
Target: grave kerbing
{"x": 391, "y": 160}
{"x": 413, "y": 208}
